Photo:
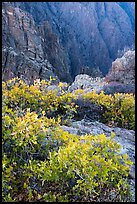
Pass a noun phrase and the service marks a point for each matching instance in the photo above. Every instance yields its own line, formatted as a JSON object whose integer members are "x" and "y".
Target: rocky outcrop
{"x": 123, "y": 69}
{"x": 121, "y": 78}
{"x": 87, "y": 83}
{"x": 122, "y": 73}
{"x": 77, "y": 36}
{"x": 126, "y": 138}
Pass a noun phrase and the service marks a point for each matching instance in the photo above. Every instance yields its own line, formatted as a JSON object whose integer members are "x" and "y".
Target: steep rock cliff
{"x": 91, "y": 32}
{"x": 81, "y": 34}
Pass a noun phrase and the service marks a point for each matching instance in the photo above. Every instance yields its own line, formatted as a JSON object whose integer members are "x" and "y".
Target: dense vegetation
{"x": 41, "y": 162}
{"x": 119, "y": 108}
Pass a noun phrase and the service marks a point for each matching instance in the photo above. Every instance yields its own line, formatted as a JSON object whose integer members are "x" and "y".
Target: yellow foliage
{"x": 41, "y": 162}
{"x": 120, "y": 108}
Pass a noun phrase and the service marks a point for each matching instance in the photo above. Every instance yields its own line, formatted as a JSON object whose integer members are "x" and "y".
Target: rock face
{"x": 23, "y": 53}
{"x": 74, "y": 37}
{"x": 126, "y": 138}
